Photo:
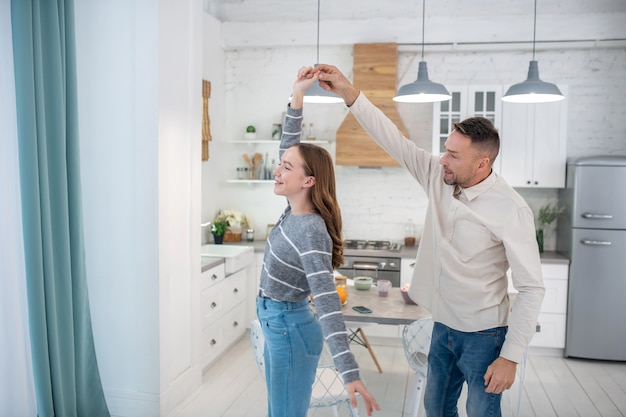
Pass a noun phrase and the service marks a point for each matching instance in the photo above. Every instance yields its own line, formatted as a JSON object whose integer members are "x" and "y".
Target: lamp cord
{"x": 534, "y": 30}
{"x": 423, "y": 24}
{"x": 318, "y": 32}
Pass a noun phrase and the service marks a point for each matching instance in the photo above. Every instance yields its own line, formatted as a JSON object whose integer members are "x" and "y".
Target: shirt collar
{"x": 476, "y": 190}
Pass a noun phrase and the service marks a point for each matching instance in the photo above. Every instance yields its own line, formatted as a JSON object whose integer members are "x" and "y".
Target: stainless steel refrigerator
{"x": 592, "y": 233}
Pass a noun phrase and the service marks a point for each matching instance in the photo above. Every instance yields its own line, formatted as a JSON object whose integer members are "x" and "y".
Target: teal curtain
{"x": 67, "y": 381}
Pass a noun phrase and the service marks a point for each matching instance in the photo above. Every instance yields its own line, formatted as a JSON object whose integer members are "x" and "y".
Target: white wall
{"x": 377, "y": 203}
{"x": 139, "y": 69}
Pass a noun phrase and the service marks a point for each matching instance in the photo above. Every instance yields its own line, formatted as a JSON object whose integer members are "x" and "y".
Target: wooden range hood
{"x": 375, "y": 74}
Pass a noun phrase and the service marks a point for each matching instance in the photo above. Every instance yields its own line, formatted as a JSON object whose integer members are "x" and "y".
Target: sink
{"x": 235, "y": 257}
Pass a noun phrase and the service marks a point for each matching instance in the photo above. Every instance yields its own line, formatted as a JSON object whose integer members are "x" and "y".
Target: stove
{"x": 374, "y": 258}
{"x": 372, "y": 245}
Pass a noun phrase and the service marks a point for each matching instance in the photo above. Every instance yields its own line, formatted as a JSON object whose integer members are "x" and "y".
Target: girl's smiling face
{"x": 290, "y": 175}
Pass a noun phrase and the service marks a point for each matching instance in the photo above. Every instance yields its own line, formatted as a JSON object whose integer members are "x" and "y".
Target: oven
{"x": 376, "y": 259}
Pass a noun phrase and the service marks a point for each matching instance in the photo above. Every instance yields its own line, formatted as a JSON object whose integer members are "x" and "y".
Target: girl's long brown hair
{"x": 319, "y": 164}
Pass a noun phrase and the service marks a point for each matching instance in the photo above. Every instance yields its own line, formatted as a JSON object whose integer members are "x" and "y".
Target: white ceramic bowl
{"x": 362, "y": 283}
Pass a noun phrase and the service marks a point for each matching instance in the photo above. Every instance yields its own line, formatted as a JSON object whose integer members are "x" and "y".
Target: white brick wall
{"x": 377, "y": 203}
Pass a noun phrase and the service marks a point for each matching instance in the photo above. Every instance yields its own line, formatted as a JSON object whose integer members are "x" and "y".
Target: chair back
{"x": 258, "y": 345}
{"x": 328, "y": 388}
{"x": 416, "y": 342}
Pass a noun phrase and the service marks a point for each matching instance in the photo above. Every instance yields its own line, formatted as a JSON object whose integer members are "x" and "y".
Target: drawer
{"x": 234, "y": 289}
{"x": 555, "y": 271}
{"x": 551, "y": 331}
{"x": 211, "y": 305}
{"x": 555, "y": 298}
{"x": 212, "y": 343}
{"x": 212, "y": 276}
{"x": 234, "y": 324}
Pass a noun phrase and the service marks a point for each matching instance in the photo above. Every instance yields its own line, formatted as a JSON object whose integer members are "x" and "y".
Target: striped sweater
{"x": 298, "y": 262}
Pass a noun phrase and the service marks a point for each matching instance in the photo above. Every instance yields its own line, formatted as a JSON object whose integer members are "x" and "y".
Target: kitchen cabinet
{"x": 552, "y": 316}
{"x": 467, "y": 101}
{"x": 533, "y": 144}
{"x": 226, "y": 303}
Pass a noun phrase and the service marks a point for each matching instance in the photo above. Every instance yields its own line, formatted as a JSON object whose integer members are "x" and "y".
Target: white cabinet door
{"x": 533, "y": 144}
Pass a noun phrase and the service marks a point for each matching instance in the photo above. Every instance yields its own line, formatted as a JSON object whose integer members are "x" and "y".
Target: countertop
{"x": 547, "y": 257}
{"x": 208, "y": 262}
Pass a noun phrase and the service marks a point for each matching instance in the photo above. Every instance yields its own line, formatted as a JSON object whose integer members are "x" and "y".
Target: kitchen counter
{"x": 208, "y": 262}
{"x": 553, "y": 257}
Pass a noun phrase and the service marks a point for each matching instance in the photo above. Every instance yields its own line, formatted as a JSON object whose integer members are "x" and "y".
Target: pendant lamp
{"x": 315, "y": 93}
{"x": 422, "y": 90}
{"x": 533, "y": 90}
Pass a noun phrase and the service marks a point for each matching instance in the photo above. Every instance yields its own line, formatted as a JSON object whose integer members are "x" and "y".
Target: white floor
{"x": 553, "y": 386}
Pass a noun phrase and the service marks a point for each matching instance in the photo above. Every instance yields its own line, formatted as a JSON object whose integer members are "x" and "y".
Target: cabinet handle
{"x": 213, "y": 304}
{"x": 213, "y": 277}
{"x": 536, "y": 182}
{"x": 538, "y": 328}
{"x": 528, "y": 182}
{"x": 235, "y": 290}
{"x": 213, "y": 342}
{"x": 235, "y": 324}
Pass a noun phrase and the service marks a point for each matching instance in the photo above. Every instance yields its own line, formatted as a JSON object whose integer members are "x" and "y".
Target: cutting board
{"x": 375, "y": 73}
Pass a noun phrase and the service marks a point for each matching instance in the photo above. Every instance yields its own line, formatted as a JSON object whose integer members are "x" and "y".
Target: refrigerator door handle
{"x": 595, "y": 242}
{"x": 597, "y": 216}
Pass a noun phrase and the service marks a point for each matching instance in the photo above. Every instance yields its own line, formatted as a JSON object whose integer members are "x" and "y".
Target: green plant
{"x": 250, "y": 129}
{"x": 548, "y": 214}
{"x": 219, "y": 228}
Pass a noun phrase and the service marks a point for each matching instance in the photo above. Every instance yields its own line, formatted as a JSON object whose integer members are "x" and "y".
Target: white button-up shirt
{"x": 471, "y": 237}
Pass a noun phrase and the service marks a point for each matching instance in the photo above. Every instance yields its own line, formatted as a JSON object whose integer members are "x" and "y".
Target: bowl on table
{"x": 362, "y": 283}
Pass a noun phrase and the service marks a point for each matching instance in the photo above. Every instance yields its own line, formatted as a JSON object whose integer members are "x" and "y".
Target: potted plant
{"x": 235, "y": 223}
{"x": 250, "y": 133}
{"x": 219, "y": 229}
{"x": 547, "y": 214}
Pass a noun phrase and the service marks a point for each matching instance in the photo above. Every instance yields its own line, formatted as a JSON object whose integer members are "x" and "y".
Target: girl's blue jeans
{"x": 456, "y": 357}
{"x": 293, "y": 344}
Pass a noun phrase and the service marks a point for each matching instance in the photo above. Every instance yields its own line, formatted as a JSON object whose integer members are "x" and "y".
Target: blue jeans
{"x": 456, "y": 357}
{"x": 293, "y": 344}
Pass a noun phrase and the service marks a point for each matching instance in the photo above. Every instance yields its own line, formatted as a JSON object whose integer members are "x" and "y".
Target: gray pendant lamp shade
{"x": 422, "y": 90}
{"x": 315, "y": 93}
{"x": 533, "y": 90}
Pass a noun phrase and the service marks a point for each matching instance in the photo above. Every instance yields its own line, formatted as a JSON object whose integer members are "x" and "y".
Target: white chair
{"x": 416, "y": 342}
{"x": 328, "y": 388}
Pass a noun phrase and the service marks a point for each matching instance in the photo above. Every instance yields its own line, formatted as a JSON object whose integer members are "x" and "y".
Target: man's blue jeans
{"x": 293, "y": 344}
{"x": 456, "y": 357}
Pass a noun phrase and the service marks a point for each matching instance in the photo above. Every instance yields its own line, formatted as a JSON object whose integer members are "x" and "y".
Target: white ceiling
{"x": 303, "y": 10}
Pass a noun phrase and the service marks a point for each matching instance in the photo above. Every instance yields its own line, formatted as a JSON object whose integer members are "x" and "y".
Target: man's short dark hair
{"x": 483, "y": 133}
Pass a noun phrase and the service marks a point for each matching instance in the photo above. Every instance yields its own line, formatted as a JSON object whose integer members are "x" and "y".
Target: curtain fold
{"x": 17, "y": 389}
{"x": 67, "y": 380}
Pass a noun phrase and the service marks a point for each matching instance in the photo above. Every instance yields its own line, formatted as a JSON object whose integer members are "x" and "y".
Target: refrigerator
{"x": 592, "y": 233}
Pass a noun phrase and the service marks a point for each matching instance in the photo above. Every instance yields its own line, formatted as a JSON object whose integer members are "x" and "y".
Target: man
{"x": 476, "y": 227}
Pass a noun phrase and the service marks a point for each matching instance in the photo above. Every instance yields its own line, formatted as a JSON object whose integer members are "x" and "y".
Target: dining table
{"x": 391, "y": 309}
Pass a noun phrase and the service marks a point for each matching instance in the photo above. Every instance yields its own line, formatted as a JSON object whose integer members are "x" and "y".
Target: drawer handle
{"x": 538, "y": 328}
{"x": 213, "y": 277}
{"x": 235, "y": 324}
{"x": 213, "y": 304}
{"x": 235, "y": 290}
{"x": 213, "y": 342}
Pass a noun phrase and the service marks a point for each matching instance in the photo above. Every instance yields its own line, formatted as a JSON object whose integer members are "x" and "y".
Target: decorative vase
{"x": 540, "y": 240}
{"x": 218, "y": 239}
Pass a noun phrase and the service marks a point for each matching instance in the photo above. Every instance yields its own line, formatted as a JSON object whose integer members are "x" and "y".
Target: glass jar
{"x": 341, "y": 281}
{"x": 409, "y": 235}
{"x": 250, "y": 235}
